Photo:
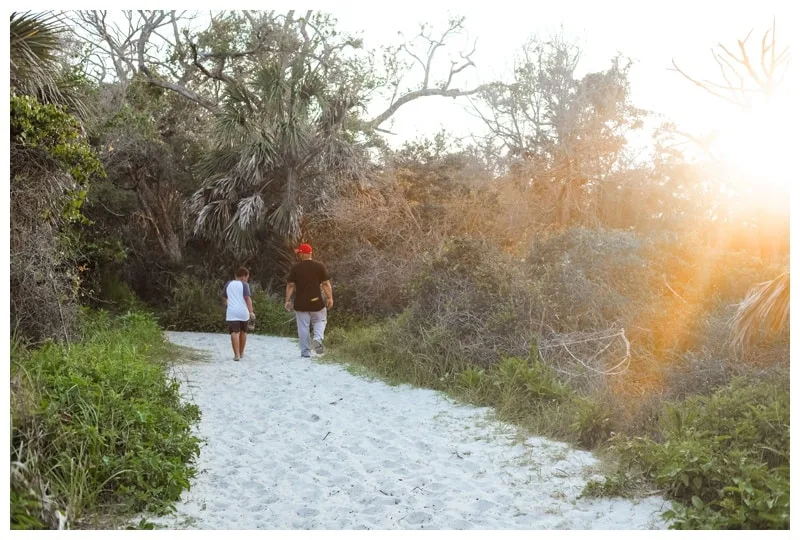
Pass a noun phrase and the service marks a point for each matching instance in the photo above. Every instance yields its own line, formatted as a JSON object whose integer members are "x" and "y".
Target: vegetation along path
{"x": 291, "y": 443}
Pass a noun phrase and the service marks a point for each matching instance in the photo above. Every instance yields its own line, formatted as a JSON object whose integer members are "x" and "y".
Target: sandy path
{"x": 294, "y": 444}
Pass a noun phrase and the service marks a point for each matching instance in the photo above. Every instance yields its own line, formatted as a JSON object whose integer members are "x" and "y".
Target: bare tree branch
{"x": 705, "y": 86}
{"x": 773, "y": 66}
{"x": 426, "y": 89}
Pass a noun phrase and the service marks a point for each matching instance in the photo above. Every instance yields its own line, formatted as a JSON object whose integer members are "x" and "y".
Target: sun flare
{"x": 758, "y": 147}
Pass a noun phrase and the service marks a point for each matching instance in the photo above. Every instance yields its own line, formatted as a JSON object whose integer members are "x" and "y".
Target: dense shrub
{"x": 99, "y": 423}
{"x": 724, "y": 458}
{"x": 472, "y": 306}
{"x": 196, "y": 306}
{"x": 272, "y": 317}
{"x": 51, "y": 166}
{"x": 591, "y": 277}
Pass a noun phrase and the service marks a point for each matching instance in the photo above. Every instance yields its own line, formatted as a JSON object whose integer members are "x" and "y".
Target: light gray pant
{"x": 304, "y": 320}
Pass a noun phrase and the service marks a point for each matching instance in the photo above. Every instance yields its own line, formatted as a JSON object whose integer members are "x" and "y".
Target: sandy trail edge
{"x": 293, "y": 444}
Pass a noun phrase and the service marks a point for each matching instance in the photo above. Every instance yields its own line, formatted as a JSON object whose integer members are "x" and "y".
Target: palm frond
{"x": 34, "y": 43}
{"x": 212, "y": 219}
{"x": 33, "y": 47}
{"x": 217, "y": 162}
{"x": 764, "y": 309}
{"x": 285, "y": 219}
{"x": 240, "y": 233}
{"x": 256, "y": 159}
{"x": 250, "y": 212}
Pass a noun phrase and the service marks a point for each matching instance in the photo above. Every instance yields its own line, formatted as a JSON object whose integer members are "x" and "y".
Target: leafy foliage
{"x": 45, "y": 132}
{"x": 51, "y": 165}
{"x": 723, "y": 458}
{"x": 101, "y": 421}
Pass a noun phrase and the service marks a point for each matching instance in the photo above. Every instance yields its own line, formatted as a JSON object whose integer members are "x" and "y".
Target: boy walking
{"x": 307, "y": 280}
{"x": 239, "y": 310}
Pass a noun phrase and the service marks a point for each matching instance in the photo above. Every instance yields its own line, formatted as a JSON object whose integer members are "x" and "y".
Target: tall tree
{"x": 279, "y": 142}
{"x": 562, "y": 135}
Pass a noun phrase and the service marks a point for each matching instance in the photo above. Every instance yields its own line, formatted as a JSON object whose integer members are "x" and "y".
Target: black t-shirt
{"x": 306, "y": 276}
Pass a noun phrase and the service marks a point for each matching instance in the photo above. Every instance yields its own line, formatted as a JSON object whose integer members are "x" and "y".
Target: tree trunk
{"x": 158, "y": 215}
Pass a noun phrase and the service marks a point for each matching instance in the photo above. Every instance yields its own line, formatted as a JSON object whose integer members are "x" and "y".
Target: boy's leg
{"x": 320, "y": 320}
{"x": 235, "y": 344}
{"x": 303, "y": 323}
{"x": 242, "y": 339}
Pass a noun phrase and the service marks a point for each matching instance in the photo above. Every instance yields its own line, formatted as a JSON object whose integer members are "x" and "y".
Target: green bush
{"x": 471, "y": 379}
{"x": 57, "y": 136}
{"x": 526, "y": 380}
{"x": 100, "y": 422}
{"x": 723, "y": 459}
{"x": 118, "y": 294}
{"x": 594, "y": 420}
{"x": 196, "y": 306}
{"x": 272, "y": 317}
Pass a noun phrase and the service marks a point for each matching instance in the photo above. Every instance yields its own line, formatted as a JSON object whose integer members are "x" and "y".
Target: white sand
{"x": 295, "y": 444}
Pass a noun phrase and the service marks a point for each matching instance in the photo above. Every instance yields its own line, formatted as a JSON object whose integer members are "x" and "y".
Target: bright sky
{"x": 652, "y": 33}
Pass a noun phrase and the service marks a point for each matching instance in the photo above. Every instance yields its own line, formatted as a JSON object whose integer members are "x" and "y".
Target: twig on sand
{"x": 335, "y": 402}
{"x": 326, "y": 436}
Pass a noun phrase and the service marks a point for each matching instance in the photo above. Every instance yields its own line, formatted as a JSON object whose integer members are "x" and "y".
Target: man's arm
{"x": 289, "y": 291}
{"x": 328, "y": 290}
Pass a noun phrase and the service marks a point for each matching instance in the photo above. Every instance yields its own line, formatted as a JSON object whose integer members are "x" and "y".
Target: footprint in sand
{"x": 307, "y": 512}
{"x": 418, "y": 518}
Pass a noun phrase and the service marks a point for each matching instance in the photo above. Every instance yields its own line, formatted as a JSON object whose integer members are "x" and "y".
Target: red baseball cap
{"x": 304, "y": 248}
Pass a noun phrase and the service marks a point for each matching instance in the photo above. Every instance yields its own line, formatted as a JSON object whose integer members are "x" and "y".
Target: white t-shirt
{"x": 235, "y": 291}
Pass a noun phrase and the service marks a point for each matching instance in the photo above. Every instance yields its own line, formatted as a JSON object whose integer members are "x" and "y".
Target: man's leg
{"x": 303, "y": 322}
{"x": 319, "y": 319}
{"x": 235, "y": 344}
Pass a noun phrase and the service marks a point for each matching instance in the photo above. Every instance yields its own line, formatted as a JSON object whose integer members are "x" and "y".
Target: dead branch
{"x": 588, "y": 363}
{"x": 426, "y": 62}
{"x": 740, "y": 67}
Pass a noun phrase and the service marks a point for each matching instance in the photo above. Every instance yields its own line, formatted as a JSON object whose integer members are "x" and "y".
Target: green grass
{"x": 99, "y": 424}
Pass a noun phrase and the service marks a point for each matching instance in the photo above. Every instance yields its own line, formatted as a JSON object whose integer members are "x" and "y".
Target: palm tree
{"x": 280, "y": 142}
{"x": 766, "y": 307}
{"x": 36, "y": 68}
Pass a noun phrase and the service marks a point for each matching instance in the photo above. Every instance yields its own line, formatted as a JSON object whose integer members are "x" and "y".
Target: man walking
{"x": 239, "y": 310}
{"x": 307, "y": 280}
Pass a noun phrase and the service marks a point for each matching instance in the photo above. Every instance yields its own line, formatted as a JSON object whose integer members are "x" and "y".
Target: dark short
{"x": 237, "y": 326}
